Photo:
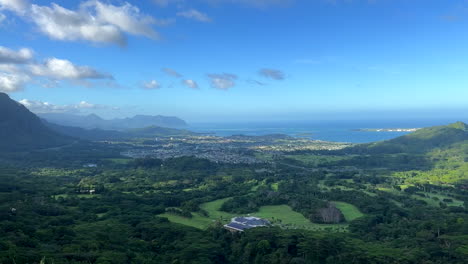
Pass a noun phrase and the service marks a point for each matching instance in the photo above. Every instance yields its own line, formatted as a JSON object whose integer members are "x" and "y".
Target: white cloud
{"x": 93, "y": 21}
{"x": 151, "y": 85}
{"x": 18, "y": 68}
{"x": 12, "y": 82}
{"x": 190, "y": 83}
{"x": 63, "y": 69}
{"x": 222, "y": 81}
{"x": 126, "y": 17}
{"x": 64, "y": 24}
{"x": 195, "y": 15}
{"x": 9, "y": 56}
{"x": 46, "y": 107}
{"x": 14, "y": 5}
{"x": 2, "y": 18}
{"x": 9, "y": 68}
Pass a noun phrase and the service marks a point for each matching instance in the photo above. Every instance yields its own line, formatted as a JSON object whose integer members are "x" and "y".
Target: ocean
{"x": 337, "y": 131}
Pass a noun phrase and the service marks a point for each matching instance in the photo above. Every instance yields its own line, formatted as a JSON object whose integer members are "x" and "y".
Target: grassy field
{"x": 275, "y": 186}
{"x": 281, "y": 215}
{"x": 285, "y": 217}
{"x": 349, "y": 211}
{"x": 213, "y": 210}
{"x": 197, "y": 220}
{"x": 200, "y": 221}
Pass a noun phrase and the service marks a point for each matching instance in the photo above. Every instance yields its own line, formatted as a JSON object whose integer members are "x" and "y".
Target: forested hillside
{"x": 22, "y": 130}
{"x": 85, "y": 203}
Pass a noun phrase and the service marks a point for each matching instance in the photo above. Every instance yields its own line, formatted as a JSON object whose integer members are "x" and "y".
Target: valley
{"x": 160, "y": 196}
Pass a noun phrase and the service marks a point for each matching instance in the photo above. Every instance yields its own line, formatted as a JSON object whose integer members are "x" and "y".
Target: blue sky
{"x": 218, "y": 60}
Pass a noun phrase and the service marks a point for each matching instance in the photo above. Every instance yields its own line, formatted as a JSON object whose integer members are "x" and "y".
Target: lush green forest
{"x": 387, "y": 202}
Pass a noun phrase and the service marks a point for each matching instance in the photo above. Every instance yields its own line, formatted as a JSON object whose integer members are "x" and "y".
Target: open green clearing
{"x": 285, "y": 217}
{"x": 349, "y": 211}
{"x": 200, "y": 221}
{"x": 281, "y": 215}
{"x": 197, "y": 220}
{"x": 213, "y": 210}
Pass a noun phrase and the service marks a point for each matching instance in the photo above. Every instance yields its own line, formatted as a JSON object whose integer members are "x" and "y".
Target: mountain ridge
{"x": 93, "y": 121}
{"x": 20, "y": 129}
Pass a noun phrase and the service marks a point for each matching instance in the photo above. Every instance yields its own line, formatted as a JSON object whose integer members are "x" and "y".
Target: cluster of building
{"x": 219, "y": 156}
{"x": 236, "y": 149}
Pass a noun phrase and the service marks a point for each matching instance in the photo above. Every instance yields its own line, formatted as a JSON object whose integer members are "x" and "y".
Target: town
{"x": 234, "y": 149}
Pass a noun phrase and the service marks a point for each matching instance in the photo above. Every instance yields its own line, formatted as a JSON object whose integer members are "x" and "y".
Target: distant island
{"x": 387, "y": 129}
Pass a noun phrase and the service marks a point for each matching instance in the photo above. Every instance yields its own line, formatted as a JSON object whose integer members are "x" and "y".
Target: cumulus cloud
{"x": 126, "y": 17}
{"x": 14, "y": 5}
{"x": 272, "y": 74}
{"x": 2, "y": 18}
{"x": 195, "y": 15}
{"x": 171, "y": 72}
{"x": 9, "y": 56}
{"x": 12, "y": 82}
{"x": 18, "y": 68}
{"x": 64, "y": 24}
{"x": 46, "y": 107}
{"x": 64, "y": 69}
{"x": 93, "y": 21}
{"x": 10, "y": 68}
{"x": 151, "y": 85}
{"x": 222, "y": 81}
{"x": 190, "y": 83}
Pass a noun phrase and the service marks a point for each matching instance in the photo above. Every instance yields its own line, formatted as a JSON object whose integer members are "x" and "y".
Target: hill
{"x": 86, "y": 134}
{"x": 93, "y": 121}
{"x": 22, "y": 130}
{"x": 421, "y": 141}
{"x": 102, "y": 135}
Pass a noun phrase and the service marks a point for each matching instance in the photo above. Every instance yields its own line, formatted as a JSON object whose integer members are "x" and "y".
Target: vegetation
{"x": 345, "y": 206}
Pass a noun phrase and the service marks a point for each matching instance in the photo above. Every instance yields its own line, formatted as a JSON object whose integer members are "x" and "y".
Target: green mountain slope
{"x": 423, "y": 140}
{"x": 22, "y": 130}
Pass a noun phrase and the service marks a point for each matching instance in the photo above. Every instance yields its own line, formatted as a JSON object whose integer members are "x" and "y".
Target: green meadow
{"x": 281, "y": 215}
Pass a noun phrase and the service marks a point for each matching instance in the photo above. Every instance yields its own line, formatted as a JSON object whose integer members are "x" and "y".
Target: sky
{"x": 220, "y": 60}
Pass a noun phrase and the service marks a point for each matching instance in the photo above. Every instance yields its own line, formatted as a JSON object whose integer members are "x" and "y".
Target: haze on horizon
{"x": 208, "y": 60}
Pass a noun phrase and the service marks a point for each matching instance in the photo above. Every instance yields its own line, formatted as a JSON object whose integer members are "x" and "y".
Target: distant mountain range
{"x": 22, "y": 130}
{"x": 102, "y": 135}
{"x": 95, "y": 122}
